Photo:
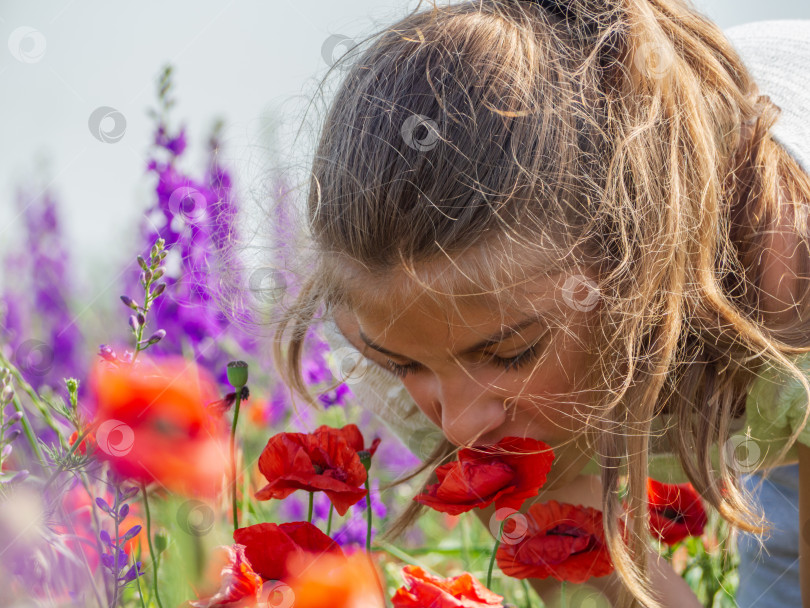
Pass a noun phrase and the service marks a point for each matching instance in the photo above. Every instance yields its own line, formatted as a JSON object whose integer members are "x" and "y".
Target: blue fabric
{"x": 769, "y": 578}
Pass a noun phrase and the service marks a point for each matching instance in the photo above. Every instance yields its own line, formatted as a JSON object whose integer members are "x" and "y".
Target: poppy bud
{"x": 365, "y": 458}
{"x": 237, "y": 373}
{"x": 161, "y": 540}
{"x": 72, "y": 384}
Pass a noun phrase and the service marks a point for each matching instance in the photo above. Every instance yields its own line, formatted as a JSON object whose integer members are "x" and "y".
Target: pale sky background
{"x": 251, "y": 62}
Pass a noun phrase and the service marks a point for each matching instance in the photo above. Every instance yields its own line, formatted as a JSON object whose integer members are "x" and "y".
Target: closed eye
{"x": 508, "y": 363}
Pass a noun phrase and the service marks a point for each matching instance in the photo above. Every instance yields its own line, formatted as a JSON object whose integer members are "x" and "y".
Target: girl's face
{"x": 480, "y": 380}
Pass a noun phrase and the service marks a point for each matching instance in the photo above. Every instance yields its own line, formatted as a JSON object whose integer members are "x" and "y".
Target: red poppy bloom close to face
{"x": 676, "y": 511}
{"x": 463, "y": 591}
{"x": 153, "y": 424}
{"x": 482, "y": 476}
{"x": 269, "y": 546}
{"x": 560, "y": 540}
{"x": 326, "y": 460}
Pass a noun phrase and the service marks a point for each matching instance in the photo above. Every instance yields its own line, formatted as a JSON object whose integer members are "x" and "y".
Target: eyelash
{"x": 509, "y": 363}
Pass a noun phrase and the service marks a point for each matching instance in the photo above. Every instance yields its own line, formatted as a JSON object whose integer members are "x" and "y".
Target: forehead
{"x": 401, "y": 300}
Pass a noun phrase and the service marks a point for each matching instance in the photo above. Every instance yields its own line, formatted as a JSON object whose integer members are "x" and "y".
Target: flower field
{"x": 151, "y": 456}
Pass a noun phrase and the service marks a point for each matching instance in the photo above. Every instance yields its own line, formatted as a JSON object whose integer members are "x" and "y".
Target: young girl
{"x": 569, "y": 221}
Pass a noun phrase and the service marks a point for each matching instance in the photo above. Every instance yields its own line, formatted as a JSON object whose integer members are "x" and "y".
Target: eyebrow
{"x": 503, "y": 334}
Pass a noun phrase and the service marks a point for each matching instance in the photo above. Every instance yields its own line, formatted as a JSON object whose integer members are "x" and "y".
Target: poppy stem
{"x": 236, "y": 402}
{"x": 527, "y": 592}
{"x": 311, "y": 501}
{"x": 494, "y": 551}
{"x": 562, "y": 594}
{"x": 368, "y": 512}
{"x": 151, "y": 549}
{"x": 329, "y": 521}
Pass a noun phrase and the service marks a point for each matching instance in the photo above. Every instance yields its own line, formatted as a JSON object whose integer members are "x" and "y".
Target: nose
{"x": 468, "y": 409}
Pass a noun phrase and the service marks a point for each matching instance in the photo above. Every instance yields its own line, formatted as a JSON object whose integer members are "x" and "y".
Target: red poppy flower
{"x": 676, "y": 511}
{"x": 334, "y": 580}
{"x": 326, "y": 460}
{"x": 89, "y": 439}
{"x": 491, "y": 474}
{"x": 352, "y": 435}
{"x": 269, "y": 546}
{"x": 463, "y": 591}
{"x": 240, "y": 585}
{"x": 154, "y": 426}
{"x": 560, "y": 540}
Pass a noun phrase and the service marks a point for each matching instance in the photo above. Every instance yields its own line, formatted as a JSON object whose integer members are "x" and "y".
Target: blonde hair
{"x": 626, "y": 135}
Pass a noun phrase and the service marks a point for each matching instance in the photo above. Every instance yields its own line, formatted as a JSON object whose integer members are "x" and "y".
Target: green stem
{"x": 151, "y": 548}
{"x": 465, "y": 542}
{"x": 329, "y": 521}
{"x": 311, "y": 501}
{"x": 115, "y": 549}
{"x": 29, "y": 433}
{"x": 527, "y": 592}
{"x": 237, "y": 401}
{"x": 494, "y": 551}
{"x": 73, "y": 448}
{"x": 368, "y": 512}
{"x": 562, "y": 595}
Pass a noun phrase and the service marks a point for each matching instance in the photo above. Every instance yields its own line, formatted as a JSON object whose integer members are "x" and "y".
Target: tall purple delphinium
{"x": 197, "y": 220}
{"x": 36, "y": 321}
